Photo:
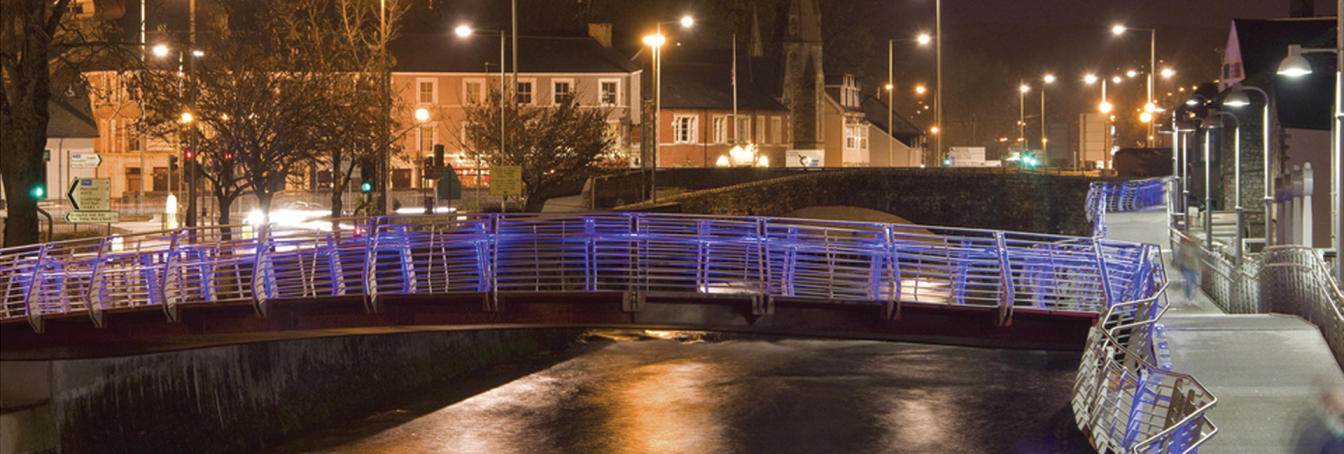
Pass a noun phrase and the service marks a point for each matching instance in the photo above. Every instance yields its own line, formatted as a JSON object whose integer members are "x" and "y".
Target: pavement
{"x": 1268, "y": 371}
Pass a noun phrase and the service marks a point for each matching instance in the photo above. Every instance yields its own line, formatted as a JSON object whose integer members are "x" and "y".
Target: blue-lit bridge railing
{"x": 642, "y": 254}
{"x": 1124, "y": 196}
{"x": 1126, "y": 398}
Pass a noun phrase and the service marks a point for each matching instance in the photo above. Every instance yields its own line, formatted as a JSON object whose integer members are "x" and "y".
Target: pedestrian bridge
{"x": 220, "y": 285}
{"x": 765, "y": 275}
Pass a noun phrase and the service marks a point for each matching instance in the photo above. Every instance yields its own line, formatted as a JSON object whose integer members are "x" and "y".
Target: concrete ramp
{"x": 1268, "y": 371}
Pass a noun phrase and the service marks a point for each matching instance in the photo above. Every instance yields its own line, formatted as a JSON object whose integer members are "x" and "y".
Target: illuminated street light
{"x": 421, "y": 115}
{"x": 919, "y": 89}
{"x": 1167, "y": 73}
{"x": 924, "y": 38}
{"x": 1105, "y": 107}
{"x": 187, "y": 117}
{"x": 160, "y": 50}
{"x": 1131, "y": 73}
{"x": 687, "y": 21}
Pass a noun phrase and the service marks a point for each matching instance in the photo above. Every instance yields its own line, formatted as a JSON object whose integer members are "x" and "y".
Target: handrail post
{"x": 1102, "y": 272}
{"x": 370, "y": 265}
{"x": 169, "y": 273}
{"x": 1006, "y": 294}
{"x": 33, "y": 304}
{"x": 94, "y": 298}
{"x": 262, "y": 284}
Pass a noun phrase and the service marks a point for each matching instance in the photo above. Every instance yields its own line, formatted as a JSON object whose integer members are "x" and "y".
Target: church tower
{"x": 804, "y": 81}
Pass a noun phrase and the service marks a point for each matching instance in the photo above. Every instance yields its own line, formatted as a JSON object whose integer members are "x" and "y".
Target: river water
{"x": 734, "y": 396}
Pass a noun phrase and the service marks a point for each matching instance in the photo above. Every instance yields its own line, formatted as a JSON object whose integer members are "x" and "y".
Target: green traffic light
{"x": 366, "y": 187}
{"x": 39, "y": 192}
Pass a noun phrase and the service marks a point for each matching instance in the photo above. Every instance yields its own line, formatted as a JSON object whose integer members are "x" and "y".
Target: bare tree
{"x": 553, "y": 145}
{"x": 44, "y": 47}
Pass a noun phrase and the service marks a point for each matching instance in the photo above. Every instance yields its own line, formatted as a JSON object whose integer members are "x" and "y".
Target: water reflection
{"x": 785, "y": 396}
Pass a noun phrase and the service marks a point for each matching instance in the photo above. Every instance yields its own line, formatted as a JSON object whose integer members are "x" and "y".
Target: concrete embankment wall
{"x": 236, "y": 398}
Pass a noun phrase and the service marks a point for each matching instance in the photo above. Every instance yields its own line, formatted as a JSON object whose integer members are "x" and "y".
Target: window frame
{"x": 480, "y": 91}
{"x": 719, "y": 128}
{"x": 615, "y": 93}
{"x": 531, "y": 91}
{"x": 688, "y": 129}
{"x": 433, "y": 90}
{"x": 555, "y": 93}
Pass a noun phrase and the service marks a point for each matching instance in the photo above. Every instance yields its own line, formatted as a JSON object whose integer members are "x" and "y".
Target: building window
{"x": 134, "y": 180}
{"x": 427, "y": 139}
{"x": 401, "y": 178}
{"x": 426, "y": 92}
{"x": 610, "y": 92}
{"x": 134, "y": 143}
{"x": 471, "y": 92}
{"x": 524, "y": 93}
{"x": 743, "y": 132}
{"x": 760, "y": 129}
{"x": 856, "y": 135}
{"x": 683, "y": 129}
{"x": 563, "y": 89}
{"x": 720, "y": 129}
{"x": 776, "y": 131}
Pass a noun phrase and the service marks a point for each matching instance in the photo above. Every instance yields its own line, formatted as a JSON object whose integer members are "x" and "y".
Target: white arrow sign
{"x": 91, "y": 194}
{"x": 85, "y": 160}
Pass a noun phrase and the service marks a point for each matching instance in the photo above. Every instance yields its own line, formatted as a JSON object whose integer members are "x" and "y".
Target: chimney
{"x": 1301, "y": 8}
{"x": 601, "y": 33}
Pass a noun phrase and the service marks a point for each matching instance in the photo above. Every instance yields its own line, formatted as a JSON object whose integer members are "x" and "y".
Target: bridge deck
{"x": 1268, "y": 371}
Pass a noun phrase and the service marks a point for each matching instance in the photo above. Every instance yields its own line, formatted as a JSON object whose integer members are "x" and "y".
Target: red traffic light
{"x": 188, "y": 154}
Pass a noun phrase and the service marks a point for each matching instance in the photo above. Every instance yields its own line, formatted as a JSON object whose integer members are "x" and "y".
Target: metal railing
{"x": 1122, "y": 197}
{"x": 1125, "y": 398}
{"x": 1283, "y": 279}
{"x": 640, "y": 253}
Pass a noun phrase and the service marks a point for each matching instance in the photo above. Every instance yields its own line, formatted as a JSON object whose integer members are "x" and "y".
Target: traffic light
{"x": 39, "y": 190}
{"x": 368, "y": 175}
{"x": 172, "y": 163}
{"x": 188, "y": 154}
{"x": 366, "y": 187}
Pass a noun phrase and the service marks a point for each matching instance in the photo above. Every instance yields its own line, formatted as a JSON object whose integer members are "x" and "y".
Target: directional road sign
{"x": 91, "y": 194}
{"x": 92, "y": 217}
{"x": 449, "y": 187}
{"x": 85, "y": 160}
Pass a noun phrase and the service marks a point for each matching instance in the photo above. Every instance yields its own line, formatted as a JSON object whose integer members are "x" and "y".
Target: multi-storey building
{"x": 699, "y": 124}
{"x": 445, "y": 73}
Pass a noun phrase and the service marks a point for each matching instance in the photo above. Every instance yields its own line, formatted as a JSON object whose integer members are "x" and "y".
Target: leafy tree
{"x": 553, "y": 145}
{"x": 43, "y": 48}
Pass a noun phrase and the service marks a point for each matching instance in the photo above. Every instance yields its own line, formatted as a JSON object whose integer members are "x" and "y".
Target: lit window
{"x": 610, "y": 92}
{"x": 743, "y": 132}
{"x": 427, "y": 139}
{"x": 720, "y": 129}
{"x": 776, "y": 132}
{"x": 427, "y": 92}
{"x": 683, "y": 129}
{"x": 760, "y": 129}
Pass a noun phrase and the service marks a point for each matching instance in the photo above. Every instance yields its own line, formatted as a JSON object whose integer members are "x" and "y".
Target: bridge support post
{"x": 94, "y": 299}
{"x": 170, "y": 280}
{"x": 262, "y": 275}
{"x": 632, "y": 301}
{"x": 762, "y": 304}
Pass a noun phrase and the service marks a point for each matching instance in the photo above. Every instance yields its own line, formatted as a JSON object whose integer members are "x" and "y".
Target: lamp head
{"x": 160, "y": 50}
{"x": 1295, "y": 65}
{"x": 1237, "y": 98}
{"x": 655, "y": 40}
{"x": 1090, "y": 78}
{"x": 924, "y": 38}
{"x": 462, "y": 30}
{"x": 1024, "y": 88}
{"x": 1049, "y": 78}
{"x": 687, "y": 21}
{"x": 1118, "y": 29}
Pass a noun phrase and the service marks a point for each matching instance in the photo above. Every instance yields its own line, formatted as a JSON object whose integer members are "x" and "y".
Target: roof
{"x": 833, "y": 93}
{"x": 876, "y": 112}
{"x": 439, "y": 53}
{"x": 710, "y": 86}
{"x": 71, "y": 118}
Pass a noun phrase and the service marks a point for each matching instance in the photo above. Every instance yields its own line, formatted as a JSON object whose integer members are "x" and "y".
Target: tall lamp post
{"x": 1237, "y": 98}
{"x": 1048, "y": 79}
{"x": 1296, "y": 66}
{"x": 1152, "y": 68}
{"x": 465, "y": 31}
{"x": 938, "y": 75}
{"x": 1236, "y": 185}
{"x": 1022, "y": 113}
{"x": 656, "y": 42}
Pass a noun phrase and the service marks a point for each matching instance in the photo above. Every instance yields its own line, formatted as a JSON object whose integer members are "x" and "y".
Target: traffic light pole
{"x": 191, "y": 141}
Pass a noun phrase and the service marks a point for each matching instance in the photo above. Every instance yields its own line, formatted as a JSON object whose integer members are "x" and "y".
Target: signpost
{"x": 448, "y": 186}
{"x": 85, "y": 160}
{"x": 506, "y": 180}
{"x": 91, "y": 198}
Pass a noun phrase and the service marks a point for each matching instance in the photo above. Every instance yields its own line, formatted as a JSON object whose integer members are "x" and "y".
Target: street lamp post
{"x": 1238, "y": 98}
{"x": 465, "y": 31}
{"x": 1236, "y": 185}
{"x": 1048, "y": 79}
{"x": 656, "y": 41}
{"x": 1152, "y": 68}
{"x": 891, "y": 99}
{"x": 1021, "y": 114}
{"x": 1296, "y": 65}
{"x": 938, "y": 76}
